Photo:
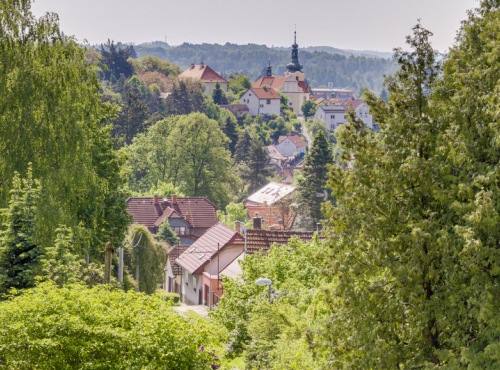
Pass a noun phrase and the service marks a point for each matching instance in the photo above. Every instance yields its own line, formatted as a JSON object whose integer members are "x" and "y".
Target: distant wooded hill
{"x": 321, "y": 67}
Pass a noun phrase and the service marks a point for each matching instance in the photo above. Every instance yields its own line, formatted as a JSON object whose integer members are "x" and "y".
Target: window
{"x": 249, "y": 94}
{"x": 345, "y": 117}
{"x": 332, "y": 116}
{"x": 262, "y": 105}
{"x": 195, "y": 282}
{"x": 268, "y": 101}
{"x": 186, "y": 277}
{"x": 179, "y": 230}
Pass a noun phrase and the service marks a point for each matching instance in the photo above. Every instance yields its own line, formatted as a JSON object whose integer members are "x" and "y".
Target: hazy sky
{"x": 357, "y": 24}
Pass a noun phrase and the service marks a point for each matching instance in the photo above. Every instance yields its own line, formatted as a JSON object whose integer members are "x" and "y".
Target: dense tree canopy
{"x": 187, "y": 151}
{"x": 52, "y": 116}
{"x": 321, "y": 67}
{"x": 414, "y": 231}
{"x": 115, "y": 58}
{"x": 74, "y": 327}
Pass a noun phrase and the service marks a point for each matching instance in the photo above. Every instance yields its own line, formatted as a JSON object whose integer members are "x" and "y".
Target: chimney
{"x": 155, "y": 197}
{"x": 192, "y": 65}
{"x": 257, "y": 222}
{"x": 237, "y": 226}
{"x": 187, "y": 217}
{"x": 174, "y": 199}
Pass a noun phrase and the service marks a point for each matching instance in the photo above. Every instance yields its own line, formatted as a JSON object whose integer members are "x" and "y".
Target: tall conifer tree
{"x": 313, "y": 181}
{"x": 20, "y": 252}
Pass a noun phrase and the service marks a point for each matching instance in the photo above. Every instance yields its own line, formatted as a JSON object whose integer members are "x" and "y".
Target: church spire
{"x": 294, "y": 66}
{"x": 269, "y": 69}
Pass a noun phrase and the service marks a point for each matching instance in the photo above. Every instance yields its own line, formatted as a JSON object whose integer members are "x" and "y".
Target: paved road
{"x": 305, "y": 133}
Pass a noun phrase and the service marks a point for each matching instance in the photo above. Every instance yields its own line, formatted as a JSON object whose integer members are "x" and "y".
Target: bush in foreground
{"x": 79, "y": 328}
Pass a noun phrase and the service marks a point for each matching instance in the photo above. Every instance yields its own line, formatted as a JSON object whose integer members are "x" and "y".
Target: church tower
{"x": 294, "y": 66}
{"x": 269, "y": 72}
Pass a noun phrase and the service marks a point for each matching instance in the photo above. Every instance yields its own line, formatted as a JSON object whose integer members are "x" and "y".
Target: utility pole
{"x": 108, "y": 255}
{"x": 137, "y": 272}
{"x": 120, "y": 264}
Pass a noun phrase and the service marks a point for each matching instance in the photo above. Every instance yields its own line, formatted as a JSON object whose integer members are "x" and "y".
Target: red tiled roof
{"x": 202, "y": 72}
{"x": 263, "y": 239}
{"x": 201, "y": 211}
{"x": 272, "y": 81}
{"x": 270, "y": 215}
{"x": 265, "y": 93}
{"x": 351, "y": 104}
{"x": 215, "y": 239}
{"x": 303, "y": 86}
{"x": 299, "y": 143}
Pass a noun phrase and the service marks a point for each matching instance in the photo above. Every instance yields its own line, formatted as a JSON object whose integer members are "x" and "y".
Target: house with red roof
{"x": 206, "y": 75}
{"x": 261, "y": 101}
{"x": 204, "y": 260}
{"x": 188, "y": 217}
{"x": 291, "y": 144}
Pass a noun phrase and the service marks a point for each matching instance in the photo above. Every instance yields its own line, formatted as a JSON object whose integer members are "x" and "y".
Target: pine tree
{"x": 19, "y": 251}
{"x": 258, "y": 159}
{"x": 166, "y": 234}
{"x": 132, "y": 120}
{"x": 218, "y": 95}
{"x": 115, "y": 58}
{"x": 315, "y": 176}
{"x": 230, "y": 129}
{"x": 242, "y": 148}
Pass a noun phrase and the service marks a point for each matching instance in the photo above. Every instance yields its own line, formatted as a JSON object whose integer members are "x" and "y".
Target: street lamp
{"x": 268, "y": 282}
{"x": 263, "y": 282}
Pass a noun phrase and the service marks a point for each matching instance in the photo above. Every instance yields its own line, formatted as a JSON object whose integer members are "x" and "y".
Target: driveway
{"x": 304, "y": 132}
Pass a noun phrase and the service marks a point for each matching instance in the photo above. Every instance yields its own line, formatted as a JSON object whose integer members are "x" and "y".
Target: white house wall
{"x": 289, "y": 149}
{"x": 190, "y": 295}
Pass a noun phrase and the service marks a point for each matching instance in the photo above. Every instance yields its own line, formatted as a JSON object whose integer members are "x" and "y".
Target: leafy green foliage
{"x": 151, "y": 63}
{"x": 234, "y": 212}
{"x": 150, "y": 158}
{"x": 258, "y": 174}
{"x": 239, "y": 84}
{"x": 166, "y": 234}
{"x": 189, "y": 152}
{"x": 146, "y": 258}
{"x": 413, "y": 235}
{"x": 186, "y": 97}
{"x": 132, "y": 118}
{"x": 242, "y": 148}
{"x": 229, "y": 126}
{"x": 206, "y": 164}
{"x": 115, "y": 58}
{"x": 295, "y": 312}
{"x": 20, "y": 253}
{"x": 52, "y": 117}
{"x": 309, "y": 108}
{"x": 74, "y": 327}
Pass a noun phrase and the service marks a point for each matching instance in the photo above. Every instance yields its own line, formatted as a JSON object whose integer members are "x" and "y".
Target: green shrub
{"x": 174, "y": 297}
{"x": 75, "y": 327}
